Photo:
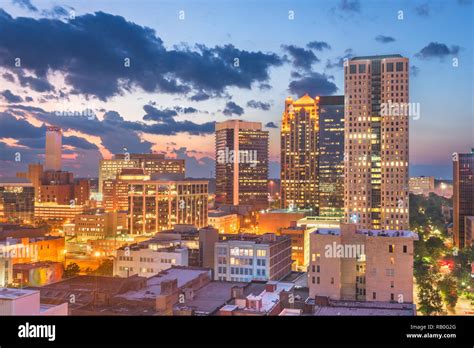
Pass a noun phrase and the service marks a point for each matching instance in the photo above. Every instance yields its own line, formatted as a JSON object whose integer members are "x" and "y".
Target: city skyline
{"x": 140, "y": 115}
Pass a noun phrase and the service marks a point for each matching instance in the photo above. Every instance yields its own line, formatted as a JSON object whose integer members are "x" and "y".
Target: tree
{"x": 71, "y": 270}
{"x": 106, "y": 268}
{"x": 448, "y": 288}
{"x": 429, "y": 297}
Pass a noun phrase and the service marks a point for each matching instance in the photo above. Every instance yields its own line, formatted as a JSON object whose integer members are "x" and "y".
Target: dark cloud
{"x": 414, "y": 70}
{"x": 301, "y": 58}
{"x": 186, "y": 110}
{"x": 255, "y": 104}
{"x": 318, "y": 45}
{"x": 437, "y": 50}
{"x": 58, "y": 12}
{"x": 339, "y": 61}
{"x": 271, "y": 125}
{"x": 80, "y": 143}
{"x": 232, "y": 108}
{"x": 196, "y": 168}
{"x": 9, "y": 77}
{"x": 423, "y": 10}
{"x": 154, "y": 114}
{"x": 200, "y": 96}
{"x": 384, "y": 39}
{"x": 10, "y": 97}
{"x": 26, "y": 4}
{"x": 314, "y": 84}
{"x": 350, "y": 5}
{"x": 100, "y": 69}
{"x": 36, "y": 84}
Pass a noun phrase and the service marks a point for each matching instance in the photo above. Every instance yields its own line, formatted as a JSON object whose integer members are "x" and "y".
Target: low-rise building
{"x": 224, "y": 222}
{"x": 27, "y": 302}
{"x": 362, "y": 265}
{"x": 149, "y": 258}
{"x": 26, "y": 250}
{"x": 422, "y": 185}
{"x": 99, "y": 225}
{"x": 246, "y": 257}
{"x": 37, "y": 273}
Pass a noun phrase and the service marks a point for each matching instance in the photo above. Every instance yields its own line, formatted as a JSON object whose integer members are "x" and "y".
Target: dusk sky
{"x": 183, "y": 74}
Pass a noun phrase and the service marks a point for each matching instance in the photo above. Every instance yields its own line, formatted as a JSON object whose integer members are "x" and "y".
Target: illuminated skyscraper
{"x": 376, "y": 142}
{"x": 241, "y": 164}
{"x": 331, "y": 155}
{"x": 463, "y": 196}
{"x": 299, "y": 154}
{"x": 53, "y": 148}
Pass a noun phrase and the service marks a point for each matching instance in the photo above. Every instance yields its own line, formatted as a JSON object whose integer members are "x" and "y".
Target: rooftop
{"x": 153, "y": 284}
{"x": 370, "y": 233}
{"x": 13, "y": 293}
{"x": 377, "y": 57}
{"x": 363, "y": 308}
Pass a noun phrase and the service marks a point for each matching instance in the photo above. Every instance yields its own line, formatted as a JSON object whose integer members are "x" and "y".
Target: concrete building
{"x": 463, "y": 195}
{"x": 158, "y": 205}
{"x": 376, "y": 92}
{"x": 27, "y": 302}
{"x": 99, "y": 224}
{"x": 362, "y": 265}
{"x": 17, "y": 200}
{"x": 151, "y": 163}
{"x": 248, "y": 257}
{"x": 422, "y": 185}
{"x": 54, "y": 211}
{"x": 241, "y": 164}
{"x": 224, "y": 222}
{"x": 53, "y": 148}
{"x": 149, "y": 258}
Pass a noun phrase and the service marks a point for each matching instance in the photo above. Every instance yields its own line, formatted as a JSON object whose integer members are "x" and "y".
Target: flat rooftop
{"x": 211, "y": 297}
{"x": 153, "y": 284}
{"x": 13, "y": 293}
{"x": 364, "y": 308}
{"x": 370, "y": 233}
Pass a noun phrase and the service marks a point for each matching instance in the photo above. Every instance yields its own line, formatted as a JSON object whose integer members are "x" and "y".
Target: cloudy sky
{"x": 156, "y": 75}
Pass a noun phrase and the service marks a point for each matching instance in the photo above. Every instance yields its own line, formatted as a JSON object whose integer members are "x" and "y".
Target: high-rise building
{"x": 158, "y": 205}
{"x": 364, "y": 265}
{"x": 53, "y": 148}
{"x": 299, "y": 154}
{"x": 151, "y": 163}
{"x": 463, "y": 196}
{"x": 376, "y": 142}
{"x": 241, "y": 164}
{"x": 331, "y": 155}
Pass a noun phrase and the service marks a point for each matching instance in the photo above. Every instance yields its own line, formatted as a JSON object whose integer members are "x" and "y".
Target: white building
{"x": 245, "y": 260}
{"x": 149, "y": 258}
{"x": 27, "y": 302}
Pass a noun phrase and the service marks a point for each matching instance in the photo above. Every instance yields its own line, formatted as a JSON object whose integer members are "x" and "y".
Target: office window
{"x": 317, "y": 280}
{"x": 361, "y": 68}
{"x": 399, "y": 66}
{"x": 352, "y": 69}
{"x": 313, "y": 279}
{"x": 405, "y": 248}
{"x": 391, "y": 247}
{"x": 389, "y": 67}
{"x": 374, "y": 296}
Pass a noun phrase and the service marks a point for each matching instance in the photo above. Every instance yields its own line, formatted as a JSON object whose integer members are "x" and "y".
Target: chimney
{"x": 270, "y": 287}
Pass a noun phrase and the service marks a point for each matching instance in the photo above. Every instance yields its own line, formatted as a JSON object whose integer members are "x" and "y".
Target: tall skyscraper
{"x": 299, "y": 154}
{"x": 331, "y": 156}
{"x": 241, "y": 164}
{"x": 53, "y": 148}
{"x": 463, "y": 196}
{"x": 376, "y": 142}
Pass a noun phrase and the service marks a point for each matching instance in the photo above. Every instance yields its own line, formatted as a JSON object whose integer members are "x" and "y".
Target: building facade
{"x": 99, "y": 225}
{"x": 331, "y": 156}
{"x": 151, "y": 163}
{"x": 156, "y": 205}
{"x": 53, "y": 148}
{"x": 364, "y": 265}
{"x": 376, "y": 142}
{"x": 300, "y": 154}
{"x": 265, "y": 257}
{"x": 241, "y": 164}
{"x": 463, "y": 195}
{"x": 17, "y": 200}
